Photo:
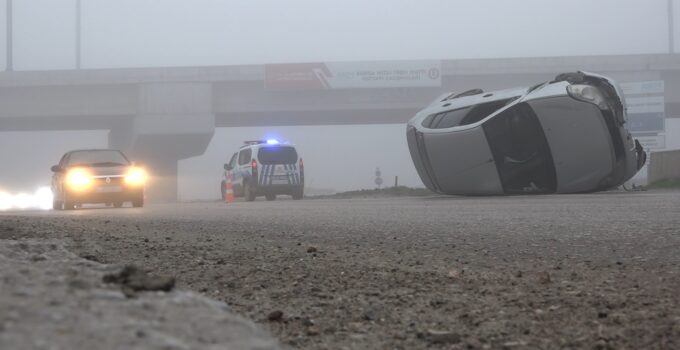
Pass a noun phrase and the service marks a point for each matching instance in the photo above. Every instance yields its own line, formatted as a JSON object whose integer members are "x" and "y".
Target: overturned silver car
{"x": 567, "y": 135}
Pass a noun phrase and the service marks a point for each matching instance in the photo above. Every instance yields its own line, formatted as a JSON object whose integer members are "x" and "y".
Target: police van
{"x": 265, "y": 168}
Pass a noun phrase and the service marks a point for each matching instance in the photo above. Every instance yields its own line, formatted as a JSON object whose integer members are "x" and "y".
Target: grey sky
{"x": 126, "y": 33}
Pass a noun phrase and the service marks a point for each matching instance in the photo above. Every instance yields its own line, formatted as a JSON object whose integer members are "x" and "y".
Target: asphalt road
{"x": 572, "y": 271}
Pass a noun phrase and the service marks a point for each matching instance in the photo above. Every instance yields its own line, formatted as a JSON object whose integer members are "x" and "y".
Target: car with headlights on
{"x": 567, "y": 135}
{"x": 97, "y": 176}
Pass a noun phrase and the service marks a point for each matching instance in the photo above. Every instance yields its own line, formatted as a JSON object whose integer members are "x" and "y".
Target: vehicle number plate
{"x": 280, "y": 181}
{"x": 109, "y": 189}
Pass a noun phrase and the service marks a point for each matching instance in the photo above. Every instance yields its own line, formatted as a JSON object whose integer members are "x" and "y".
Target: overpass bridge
{"x": 162, "y": 115}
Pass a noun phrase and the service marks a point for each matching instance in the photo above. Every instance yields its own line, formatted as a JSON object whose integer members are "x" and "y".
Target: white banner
{"x": 346, "y": 75}
{"x": 652, "y": 142}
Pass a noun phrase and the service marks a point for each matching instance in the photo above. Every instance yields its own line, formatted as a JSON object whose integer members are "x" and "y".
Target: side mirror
{"x": 227, "y": 167}
{"x": 56, "y": 169}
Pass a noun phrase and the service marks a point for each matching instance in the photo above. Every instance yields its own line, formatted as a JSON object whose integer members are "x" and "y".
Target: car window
{"x": 484, "y": 110}
{"x": 450, "y": 119}
{"x": 520, "y": 151}
{"x": 277, "y": 155}
{"x": 97, "y": 158}
{"x": 244, "y": 156}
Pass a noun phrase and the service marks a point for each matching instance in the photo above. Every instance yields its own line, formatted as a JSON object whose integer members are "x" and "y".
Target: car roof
{"x": 483, "y": 97}
{"x": 264, "y": 145}
{"x": 94, "y": 150}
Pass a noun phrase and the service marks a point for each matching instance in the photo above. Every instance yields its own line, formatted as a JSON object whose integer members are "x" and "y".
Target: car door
{"x": 244, "y": 166}
{"x": 58, "y": 178}
{"x": 233, "y": 171}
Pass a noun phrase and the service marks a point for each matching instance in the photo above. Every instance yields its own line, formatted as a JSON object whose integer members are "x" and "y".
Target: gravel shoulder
{"x": 579, "y": 271}
{"x": 53, "y": 299}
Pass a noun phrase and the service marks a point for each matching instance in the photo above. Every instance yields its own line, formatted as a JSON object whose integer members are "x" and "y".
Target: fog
{"x": 168, "y": 33}
{"x": 347, "y": 164}
{"x": 133, "y": 33}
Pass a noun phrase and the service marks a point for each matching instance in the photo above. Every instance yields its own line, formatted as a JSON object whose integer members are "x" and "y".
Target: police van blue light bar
{"x": 260, "y": 142}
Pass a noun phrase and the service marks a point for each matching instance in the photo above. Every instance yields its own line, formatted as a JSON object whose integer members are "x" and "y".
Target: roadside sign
{"x": 652, "y": 142}
{"x": 646, "y": 112}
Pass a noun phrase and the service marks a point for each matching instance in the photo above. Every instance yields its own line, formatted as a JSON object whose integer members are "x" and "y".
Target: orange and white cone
{"x": 229, "y": 192}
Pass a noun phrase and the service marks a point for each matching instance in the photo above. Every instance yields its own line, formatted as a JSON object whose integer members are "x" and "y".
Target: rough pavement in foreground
{"x": 593, "y": 271}
{"x": 52, "y": 299}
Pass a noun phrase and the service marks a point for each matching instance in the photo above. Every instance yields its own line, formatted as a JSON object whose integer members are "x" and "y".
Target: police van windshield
{"x": 277, "y": 155}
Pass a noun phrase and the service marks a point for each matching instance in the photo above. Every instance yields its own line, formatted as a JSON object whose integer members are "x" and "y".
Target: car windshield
{"x": 277, "y": 155}
{"x": 97, "y": 158}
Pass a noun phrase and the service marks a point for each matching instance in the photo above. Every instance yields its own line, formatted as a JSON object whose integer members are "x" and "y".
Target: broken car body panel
{"x": 563, "y": 136}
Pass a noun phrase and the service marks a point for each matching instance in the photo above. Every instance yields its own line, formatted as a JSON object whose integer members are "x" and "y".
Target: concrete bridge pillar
{"x": 174, "y": 121}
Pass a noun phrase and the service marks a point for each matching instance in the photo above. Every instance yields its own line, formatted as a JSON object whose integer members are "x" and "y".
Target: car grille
{"x": 113, "y": 181}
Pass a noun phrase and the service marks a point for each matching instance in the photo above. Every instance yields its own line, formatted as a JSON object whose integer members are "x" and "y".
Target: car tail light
{"x": 253, "y": 166}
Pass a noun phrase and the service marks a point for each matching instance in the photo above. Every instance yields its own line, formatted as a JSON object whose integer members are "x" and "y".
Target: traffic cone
{"x": 229, "y": 193}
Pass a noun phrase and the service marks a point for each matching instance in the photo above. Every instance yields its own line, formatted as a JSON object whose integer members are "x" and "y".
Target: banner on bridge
{"x": 350, "y": 75}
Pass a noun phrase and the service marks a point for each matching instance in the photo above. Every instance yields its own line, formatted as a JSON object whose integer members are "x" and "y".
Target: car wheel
{"x": 117, "y": 204}
{"x": 270, "y": 197}
{"x": 67, "y": 204}
{"x": 298, "y": 195}
{"x": 223, "y": 190}
{"x": 248, "y": 193}
{"x": 138, "y": 203}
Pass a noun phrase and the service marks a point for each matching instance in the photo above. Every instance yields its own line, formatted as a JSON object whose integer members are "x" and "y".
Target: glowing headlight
{"x": 135, "y": 177}
{"x": 5, "y": 200}
{"x": 78, "y": 179}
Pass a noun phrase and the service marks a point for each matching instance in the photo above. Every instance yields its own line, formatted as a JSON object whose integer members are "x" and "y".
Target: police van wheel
{"x": 297, "y": 195}
{"x": 248, "y": 193}
{"x": 270, "y": 197}
{"x": 57, "y": 205}
{"x": 223, "y": 190}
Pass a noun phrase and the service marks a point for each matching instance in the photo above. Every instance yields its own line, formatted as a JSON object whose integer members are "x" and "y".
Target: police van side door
{"x": 244, "y": 166}
{"x": 231, "y": 169}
